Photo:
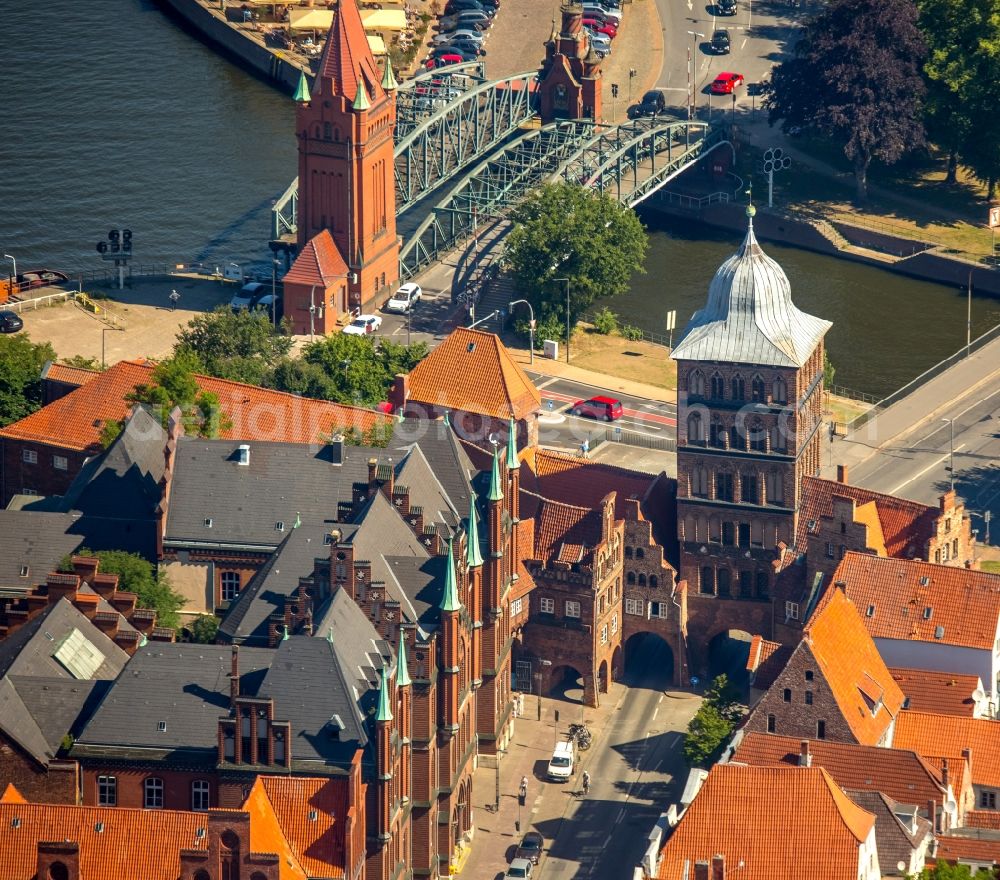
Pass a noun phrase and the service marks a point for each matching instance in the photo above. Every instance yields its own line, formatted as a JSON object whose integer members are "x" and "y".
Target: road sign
{"x": 994, "y": 216}
{"x": 672, "y": 319}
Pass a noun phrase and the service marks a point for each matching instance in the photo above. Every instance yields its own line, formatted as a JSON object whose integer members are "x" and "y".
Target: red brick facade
{"x": 570, "y": 80}
{"x": 28, "y": 467}
{"x": 55, "y": 783}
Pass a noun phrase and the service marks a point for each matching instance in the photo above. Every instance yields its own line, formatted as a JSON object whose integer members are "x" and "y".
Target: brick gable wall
{"x": 56, "y": 784}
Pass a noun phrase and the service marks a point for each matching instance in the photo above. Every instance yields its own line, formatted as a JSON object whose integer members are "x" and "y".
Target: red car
{"x": 726, "y": 83}
{"x": 606, "y": 408}
{"x": 600, "y": 27}
{"x": 444, "y": 61}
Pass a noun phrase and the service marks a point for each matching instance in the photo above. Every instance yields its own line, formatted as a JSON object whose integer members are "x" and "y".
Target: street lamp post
{"x": 566, "y": 280}
{"x": 632, "y": 74}
{"x": 274, "y": 291}
{"x": 531, "y": 328}
{"x": 695, "y": 36}
{"x": 13, "y": 278}
{"x": 496, "y": 802}
{"x": 538, "y": 681}
{"x": 951, "y": 452}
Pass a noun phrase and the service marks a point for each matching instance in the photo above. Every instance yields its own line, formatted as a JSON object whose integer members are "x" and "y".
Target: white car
{"x": 519, "y": 869}
{"x": 362, "y": 325}
{"x": 404, "y": 298}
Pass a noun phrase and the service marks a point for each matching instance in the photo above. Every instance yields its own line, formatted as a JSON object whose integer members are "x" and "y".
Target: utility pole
{"x": 951, "y": 452}
{"x": 695, "y": 36}
{"x": 566, "y": 281}
{"x": 614, "y": 101}
{"x": 968, "y": 319}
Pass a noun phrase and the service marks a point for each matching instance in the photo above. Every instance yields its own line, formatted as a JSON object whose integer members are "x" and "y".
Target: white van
{"x": 562, "y": 762}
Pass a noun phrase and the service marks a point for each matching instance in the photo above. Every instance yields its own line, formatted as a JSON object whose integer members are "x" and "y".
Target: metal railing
{"x": 24, "y": 305}
{"x": 632, "y": 438}
{"x": 694, "y": 203}
{"x": 851, "y": 394}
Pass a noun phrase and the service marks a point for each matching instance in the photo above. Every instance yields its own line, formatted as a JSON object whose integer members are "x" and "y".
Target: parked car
{"x": 726, "y": 83}
{"x": 598, "y": 27}
{"x": 452, "y": 49}
{"x": 462, "y": 33}
{"x": 243, "y": 299}
{"x": 457, "y": 7}
{"x": 362, "y": 325}
{"x": 271, "y": 305}
{"x": 10, "y": 322}
{"x": 600, "y": 42}
{"x": 608, "y": 16}
{"x": 530, "y": 847}
{"x": 465, "y": 47}
{"x": 561, "y": 763}
{"x": 607, "y": 408}
{"x": 727, "y": 7}
{"x": 651, "y": 104}
{"x": 479, "y": 22}
{"x": 473, "y": 15}
{"x": 443, "y": 61}
{"x": 405, "y": 298}
{"x": 519, "y": 869}
{"x": 720, "y": 42}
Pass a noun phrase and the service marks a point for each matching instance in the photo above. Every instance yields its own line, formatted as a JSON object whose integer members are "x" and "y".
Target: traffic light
{"x": 614, "y": 90}
{"x": 126, "y": 239}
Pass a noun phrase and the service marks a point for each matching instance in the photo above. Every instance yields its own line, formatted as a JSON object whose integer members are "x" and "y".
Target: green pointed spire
{"x": 329, "y": 635}
{"x": 496, "y": 493}
{"x": 472, "y": 555}
{"x": 298, "y": 520}
{"x": 384, "y": 713}
{"x": 302, "y": 95}
{"x": 143, "y": 641}
{"x": 388, "y": 80}
{"x": 361, "y": 101}
{"x": 512, "y": 462}
{"x": 284, "y": 635}
{"x": 402, "y": 673}
{"x": 447, "y": 420}
{"x": 449, "y": 601}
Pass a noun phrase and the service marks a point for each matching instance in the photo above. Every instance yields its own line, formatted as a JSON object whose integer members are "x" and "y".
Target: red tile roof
{"x": 75, "y": 421}
{"x": 949, "y": 693}
{"x": 906, "y": 525}
{"x": 769, "y": 822}
{"x": 983, "y": 819}
{"x": 347, "y": 55}
{"x": 557, "y": 524}
{"x": 900, "y": 773}
{"x": 852, "y": 667}
{"x": 933, "y": 735}
{"x": 766, "y": 661}
{"x": 951, "y": 849}
{"x": 472, "y": 371}
{"x": 320, "y": 262}
{"x": 67, "y": 375}
{"x": 964, "y": 604}
{"x": 319, "y": 843}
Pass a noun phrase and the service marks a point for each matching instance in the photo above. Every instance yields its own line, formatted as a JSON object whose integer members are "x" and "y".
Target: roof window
{"x": 925, "y": 581}
{"x": 279, "y": 526}
{"x": 208, "y": 522}
{"x": 939, "y": 632}
{"x": 243, "y": 454}
{"x": 870, "y": 611}
{"x": 161, "y": 726}
{"x": 471, "y": 347}
{"x": 99, "y": 827}
{"x": 199, "y": 833}
{"x": 313, "y": 815}
{"x": 928, "y": 613}
{"x": 24, "y": 571}
{"x": 15, "y": 822}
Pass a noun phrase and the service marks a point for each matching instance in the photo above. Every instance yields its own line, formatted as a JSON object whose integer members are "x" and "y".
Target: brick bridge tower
{"x": 346, "y": 204}
{"x": 570, "y": 79}
{"x": 749, "y": 414}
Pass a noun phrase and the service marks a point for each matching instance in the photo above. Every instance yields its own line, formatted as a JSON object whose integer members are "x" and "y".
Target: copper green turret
{"x": 402, "y": 673}
{"x": 384, "y": 713}
{"x": 449, "y": 601}
{"x": 388, "y": 80}
{"x": 302, "y": 95}
{"x": 512, "y": 462}
{"x": 361, "y": 101}
{"x": 496, "y": 493}
{"x": 473, "y": 556}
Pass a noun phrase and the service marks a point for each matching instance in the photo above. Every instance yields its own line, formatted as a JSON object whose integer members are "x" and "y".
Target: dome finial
{"x": 751, "y": 210}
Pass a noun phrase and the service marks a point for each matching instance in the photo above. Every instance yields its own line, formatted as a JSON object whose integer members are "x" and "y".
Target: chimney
{"x": 337, "y": 449}
{"x": 718, "y": 867}
{"x": 243, "y": 454}
{"x": 234, "y": 674}
{"x": 842, "y": 473}
{"x": 944, "y": 772}
{"x": 372, "y": 471}
{"x": 967, "y": 754}
{"x": 805, "y": 756}
{"x": 701, "y": 871}
{"x": 932, "y": 814}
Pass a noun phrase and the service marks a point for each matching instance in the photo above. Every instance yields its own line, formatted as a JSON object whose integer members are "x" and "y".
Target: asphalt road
{"x": 916, "y": 465}
{"x": 637, "y": 770}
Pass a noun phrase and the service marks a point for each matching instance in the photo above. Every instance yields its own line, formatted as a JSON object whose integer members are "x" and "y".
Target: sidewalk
{"x": 528, "y": 755}
{"x": 950, "y": 387}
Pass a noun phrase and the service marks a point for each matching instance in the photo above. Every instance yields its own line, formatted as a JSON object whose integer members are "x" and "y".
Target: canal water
{"x": 115, "y": 116}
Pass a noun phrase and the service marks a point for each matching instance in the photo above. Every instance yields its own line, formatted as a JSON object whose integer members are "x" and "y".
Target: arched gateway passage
{"x": 649, "y": 662}
{"x": 567, "y": 684}
{"x": 728, "y": 652}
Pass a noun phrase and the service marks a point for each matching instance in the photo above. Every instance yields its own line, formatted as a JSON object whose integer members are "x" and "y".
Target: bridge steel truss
{"x": 490, "y": 188}
{"x": 445, "y": 120}
{"x": 633, "y": 160}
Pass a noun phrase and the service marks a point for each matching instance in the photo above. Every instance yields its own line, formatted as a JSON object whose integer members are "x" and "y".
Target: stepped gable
{"x": 750, "y": 317}
{"x": 347, "y": 56}
{"x": 320, "y": 262}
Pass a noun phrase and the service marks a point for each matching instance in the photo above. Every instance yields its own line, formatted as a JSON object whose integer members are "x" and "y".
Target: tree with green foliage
{"x": 564, "y": 231}
{"x": 174, "y": 386}
{"x": 829, "y": 371}
{"x": 723, "y": 696}
{"x": 21, "y": 362}
{"x": 947, "y": 871}
{"x": 706, "y": 735}
{"x": 205, "y": 628}
{"x": 137, "y": 575}
{"x": 242, "y": 346}
{"x": 854, "y": 78}
{"x": 605, "y": 321}
{"x": 84, "y": 363}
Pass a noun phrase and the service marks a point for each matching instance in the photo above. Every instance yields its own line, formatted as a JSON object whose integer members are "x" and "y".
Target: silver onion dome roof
{"x": 750, "y": 317}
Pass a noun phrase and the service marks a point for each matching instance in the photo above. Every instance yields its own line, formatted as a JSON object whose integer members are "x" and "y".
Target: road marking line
{"x": 958, "y": 415}
{"x": 621, "y": 815}
{"x": 743, "y": 45}
{"x": 547, "y": 383}
{"x": 933, "y": 464}
{"x": 659, "y": 700}
{"x": 657, "y": 709}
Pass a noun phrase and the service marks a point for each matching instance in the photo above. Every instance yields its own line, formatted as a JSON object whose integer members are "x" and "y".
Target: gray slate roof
{"x": 36, "y": 540}
{"x": 246, "y": 621}
{"x": 29, "y": 649}
{"x": 893, "y": 840}
{"x": 283, "y": 482}
{"x": 421, "y": 584}
{"x": 450, "y": 463}
{"x": 750, "y": 317}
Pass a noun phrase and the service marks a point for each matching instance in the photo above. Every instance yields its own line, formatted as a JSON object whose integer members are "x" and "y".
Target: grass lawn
{"x": 843, "y": 409}
{"x": 634, "y": 361}
{"x": 991, "y": 566}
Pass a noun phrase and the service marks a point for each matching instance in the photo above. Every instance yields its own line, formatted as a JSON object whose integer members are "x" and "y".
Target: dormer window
{"x": 279, "y": 526}
{"x": 928, "y": 613}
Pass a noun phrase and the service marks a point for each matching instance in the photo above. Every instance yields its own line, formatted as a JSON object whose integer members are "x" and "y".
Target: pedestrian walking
{"x": 522, "y": 792}
{"x": 586, "y": 783}
{"x": 174, "y": 297}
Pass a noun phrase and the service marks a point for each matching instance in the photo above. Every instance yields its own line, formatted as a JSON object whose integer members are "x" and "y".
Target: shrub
{"x": 605, "y": 321}
{"x": 631, "y": 332}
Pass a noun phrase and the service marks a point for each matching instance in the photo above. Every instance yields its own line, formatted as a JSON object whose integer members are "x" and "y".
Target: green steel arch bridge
{"x": 468, "y": 149}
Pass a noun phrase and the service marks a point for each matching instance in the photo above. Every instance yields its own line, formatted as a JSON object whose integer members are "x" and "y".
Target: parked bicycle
{"x": 580, "y": 735}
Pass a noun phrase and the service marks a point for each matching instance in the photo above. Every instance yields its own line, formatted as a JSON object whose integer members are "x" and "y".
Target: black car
{"x": 720, "y": 42}
{"x": 10, "y": 322}
{"x": 727, "y": 7}
{"x": 458, "y": 6}
{"x": 466, "y": 46}
{"x": 530, "y": 847}
{"x": 652, "y": 103}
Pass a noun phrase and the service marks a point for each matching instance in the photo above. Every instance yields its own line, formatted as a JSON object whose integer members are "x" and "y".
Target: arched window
{"x": 757, "y": 435}
{"x": 728, "y": 533}
{"x": 202, "y": 875}
{"x": 757, "y": 390}
{"x": 696, "y": 429}
{"x": 654, "y": 581}
{"x": 152, "y": 793}
{"x": 630, "y": 578}
{"x": 707, "y": 584}
{"x": 736, "y": 438}
{"x": 723, "y": 486}
{"x": 777, "y": 438}
{"x": 774, "y": 487}
{"x": 327, "y": 131}
{"x": 739, "y": 387}
{"x": 57, "y": 871}
{"x": 724, "y": 581}
{"x": 718, "y": 431}
{"x": 699, "y": 482}
{"x": 640, "y": 553}
{"x": 779, "y": 390}
{"x": 718, "y": 387}
{"x": 628, "y": 552}
{"x": 318, "y": 132}
{"x": 748, "y": 487}
{"x": 696, "y": 384}
{"x": 762, "y": 585}
{"x": 642, "y": 580}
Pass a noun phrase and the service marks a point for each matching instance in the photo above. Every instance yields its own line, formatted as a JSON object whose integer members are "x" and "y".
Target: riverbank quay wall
{"x": 922, "y": 260}
{"x": 210, "y": 23}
